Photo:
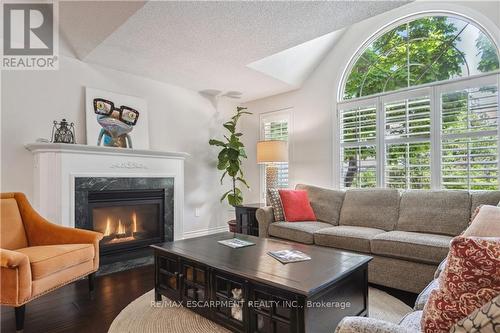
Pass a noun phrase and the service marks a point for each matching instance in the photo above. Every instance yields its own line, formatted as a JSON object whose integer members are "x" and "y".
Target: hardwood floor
{"x": 69, "y": 309}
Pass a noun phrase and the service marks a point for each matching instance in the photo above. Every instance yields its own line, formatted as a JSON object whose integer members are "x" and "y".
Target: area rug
{"x": 141, "y": 316}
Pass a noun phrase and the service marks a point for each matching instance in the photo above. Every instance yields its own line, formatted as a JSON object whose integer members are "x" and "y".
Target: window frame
{"x": 280, "y": 114}
{"x": 434, "y": 91}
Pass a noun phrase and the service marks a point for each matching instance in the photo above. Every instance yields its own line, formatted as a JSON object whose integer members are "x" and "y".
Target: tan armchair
{"x": 37, "y": 256}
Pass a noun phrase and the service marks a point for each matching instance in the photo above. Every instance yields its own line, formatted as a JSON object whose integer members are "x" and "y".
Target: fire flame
{"x": 107, "y": 231}
{"x": 134, "y": 221}
{"x": 121, "y": 228}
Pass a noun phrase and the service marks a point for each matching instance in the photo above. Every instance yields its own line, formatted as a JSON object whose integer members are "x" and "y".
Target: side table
{"x": 246, "y": 222}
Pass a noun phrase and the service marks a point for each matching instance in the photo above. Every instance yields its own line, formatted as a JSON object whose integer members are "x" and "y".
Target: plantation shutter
{"x": 358, "y": 131}
{"x": 469, "y": 151}
{"x": 277, "y": 129}
{"x": 407, "y": 128}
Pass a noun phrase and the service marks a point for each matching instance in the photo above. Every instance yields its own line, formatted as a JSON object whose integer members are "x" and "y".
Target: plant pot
{"x": 232, "y": 225}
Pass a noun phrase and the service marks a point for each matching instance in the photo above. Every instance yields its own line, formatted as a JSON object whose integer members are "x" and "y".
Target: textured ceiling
{"x": 208, "y": 45}
{"x": 88, "y": 23}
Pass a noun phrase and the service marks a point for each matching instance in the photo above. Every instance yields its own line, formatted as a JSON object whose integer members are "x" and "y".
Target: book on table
{"x": 235, "y": 243}
{"x": 288, "y": 256}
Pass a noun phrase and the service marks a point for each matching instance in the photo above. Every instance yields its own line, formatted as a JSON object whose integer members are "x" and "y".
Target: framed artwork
{"x": 116, "y": 120}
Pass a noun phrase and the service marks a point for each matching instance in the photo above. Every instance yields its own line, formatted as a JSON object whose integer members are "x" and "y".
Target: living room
{"x": 249, "y": 166}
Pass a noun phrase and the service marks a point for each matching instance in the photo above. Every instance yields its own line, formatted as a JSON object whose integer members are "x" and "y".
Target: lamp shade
{"x": 272, "y": 151}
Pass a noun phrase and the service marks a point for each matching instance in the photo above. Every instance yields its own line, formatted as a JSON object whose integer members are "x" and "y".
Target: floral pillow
{"x": 470, "y": 279}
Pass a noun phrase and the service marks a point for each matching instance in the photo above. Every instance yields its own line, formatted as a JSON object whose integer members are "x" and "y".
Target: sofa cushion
{"x": 423, "y": 297}
{"x": 414, "y": 246}
{"x": 297, "y": 231}
{"x": 13, "y": 235}
{"x": 347, "y": 237}
{"x": 478, "y": 198}
{"x": 49, "y": 259}
{"x": 371, "y": 208}
{"x": 437, "y": 212}
{"x": 326, "y": 203}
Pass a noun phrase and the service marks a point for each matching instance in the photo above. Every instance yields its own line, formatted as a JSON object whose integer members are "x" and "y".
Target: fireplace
{"x": 131, "y": 212}
{"x": 128, "y": 219}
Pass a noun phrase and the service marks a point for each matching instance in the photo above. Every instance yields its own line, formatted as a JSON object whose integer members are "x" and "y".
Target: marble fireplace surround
{"x": 84, "y": 185}
{"x": 57, "y": 167}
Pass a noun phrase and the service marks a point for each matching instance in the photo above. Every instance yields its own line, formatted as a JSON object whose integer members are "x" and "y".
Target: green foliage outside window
{"x": 425, "y": 50}
{"x": 422, "y": 51}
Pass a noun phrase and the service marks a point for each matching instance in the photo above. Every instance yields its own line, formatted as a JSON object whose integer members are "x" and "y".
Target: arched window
{"x": 424, "y": 50}
{"x": 419, "y": 108}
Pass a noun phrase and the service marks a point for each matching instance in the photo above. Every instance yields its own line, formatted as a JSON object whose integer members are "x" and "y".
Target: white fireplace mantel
{"x": 56, "y": 166}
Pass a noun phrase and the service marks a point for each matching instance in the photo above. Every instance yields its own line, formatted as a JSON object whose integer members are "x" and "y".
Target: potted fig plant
{"x": 232, "y": 152}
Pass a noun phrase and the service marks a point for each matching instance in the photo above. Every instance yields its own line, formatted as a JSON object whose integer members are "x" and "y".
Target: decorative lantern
{"x": 63, "y": 132}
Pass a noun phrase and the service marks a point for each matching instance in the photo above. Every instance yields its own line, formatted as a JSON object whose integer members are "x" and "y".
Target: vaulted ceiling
{"x": 258, "y": 48}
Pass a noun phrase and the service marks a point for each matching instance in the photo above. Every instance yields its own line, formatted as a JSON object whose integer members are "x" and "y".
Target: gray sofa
{"x": 407, "y": 233}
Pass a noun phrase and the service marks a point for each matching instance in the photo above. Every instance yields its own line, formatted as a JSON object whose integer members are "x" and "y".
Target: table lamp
{"x": 270, "y": 153}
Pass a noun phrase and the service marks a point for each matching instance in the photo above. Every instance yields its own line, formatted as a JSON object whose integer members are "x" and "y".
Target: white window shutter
{"x": 469, "y": 151}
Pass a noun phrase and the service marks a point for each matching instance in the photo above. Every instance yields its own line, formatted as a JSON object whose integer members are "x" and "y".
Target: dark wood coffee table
{"x": 309, "y": 296}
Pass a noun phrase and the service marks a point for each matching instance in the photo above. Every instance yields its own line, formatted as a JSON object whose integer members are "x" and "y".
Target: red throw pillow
{"x": 296, "y": 206}
{"x": 470, "y": 279}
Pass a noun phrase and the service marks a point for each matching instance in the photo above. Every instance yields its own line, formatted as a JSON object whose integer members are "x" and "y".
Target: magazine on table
{"x": 236, "y": 243}
{"x": 288, "y": 256}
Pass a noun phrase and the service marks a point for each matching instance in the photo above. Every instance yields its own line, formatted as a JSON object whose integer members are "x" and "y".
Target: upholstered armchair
{"x": 37, "y": 256}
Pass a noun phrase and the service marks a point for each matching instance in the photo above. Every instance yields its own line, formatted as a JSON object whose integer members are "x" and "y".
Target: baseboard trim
{"x": 205, "y": 232}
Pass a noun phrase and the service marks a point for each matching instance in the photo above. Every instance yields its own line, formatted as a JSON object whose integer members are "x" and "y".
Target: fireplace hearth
{"x": 131, "y": 213}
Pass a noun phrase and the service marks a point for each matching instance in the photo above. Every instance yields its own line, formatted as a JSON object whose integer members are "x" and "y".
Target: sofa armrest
{"x": 15, "y": 278}
{"x": 265, "y": 216}
{"x": 369, "y": 325}
{"x": 440, "y": 268}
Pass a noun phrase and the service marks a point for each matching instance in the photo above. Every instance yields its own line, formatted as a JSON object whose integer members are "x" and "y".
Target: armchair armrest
{"x": 369, "y": 325}
{"x": 15, "y": 278}
{"x": 42, "y": 232}
{"x": 265, "y": 216}
{"x": 12, "y": 259}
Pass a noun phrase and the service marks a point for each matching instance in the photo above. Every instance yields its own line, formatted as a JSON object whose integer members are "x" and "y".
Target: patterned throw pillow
{"x": 273, "y": 195}
{"x": 485, "y": 224}
{"x": 470, "y": 279}
{"x": 483, "y": 320}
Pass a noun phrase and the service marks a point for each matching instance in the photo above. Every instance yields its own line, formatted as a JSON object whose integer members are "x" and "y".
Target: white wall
{"x": 312, "y": 159}
{"x": 179, "y": 120}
